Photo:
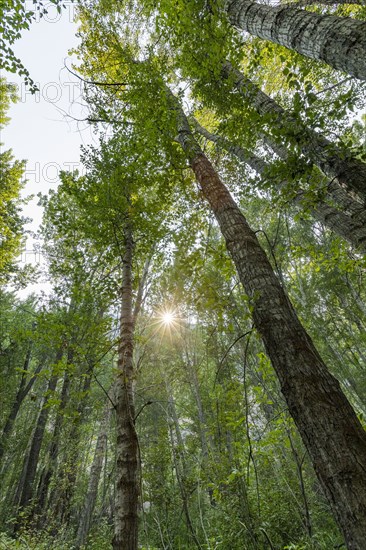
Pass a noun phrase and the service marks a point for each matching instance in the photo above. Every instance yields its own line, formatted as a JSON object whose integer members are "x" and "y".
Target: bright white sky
{"x": 41, "y": 130}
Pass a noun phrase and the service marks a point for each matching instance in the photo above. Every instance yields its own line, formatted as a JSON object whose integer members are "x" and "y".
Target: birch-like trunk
{"x": 127, "y": 482}
{"x": 337, "y": 164}
{"x": 338, "y": 41}
{"x": 353, "y": 230}
{"x": 329, "y": 427}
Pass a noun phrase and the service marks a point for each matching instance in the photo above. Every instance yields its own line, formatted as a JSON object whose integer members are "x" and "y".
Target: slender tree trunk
{"x": 335, "y": 163}
{"x": 31, "y": 461}
{"x": 92, "y": 492}
{"x": 59, "y": 499}
{"x": 338, "y": 41}
{"x": 329, "y": 427}
{"x": 352, "y": 230}
{"x": 127, "y": 484}
{"x": 50, "y": 467}
{"x": 23, "y": 390}
{"x": 177, "y": 444}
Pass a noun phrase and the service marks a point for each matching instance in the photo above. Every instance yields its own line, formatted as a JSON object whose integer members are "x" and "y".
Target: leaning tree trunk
{"x": 334, "y": 162}
{"x": 127, "y": 484}
{"x": 350, "y": 229}
{"x": 338, "y": 41}
{"x": 329, "y": 427}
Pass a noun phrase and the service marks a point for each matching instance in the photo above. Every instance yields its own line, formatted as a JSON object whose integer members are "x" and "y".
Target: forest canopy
{"x": 195, "y": 376}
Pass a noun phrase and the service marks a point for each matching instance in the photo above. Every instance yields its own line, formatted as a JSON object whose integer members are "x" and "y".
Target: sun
{"x": 168, "y": 317}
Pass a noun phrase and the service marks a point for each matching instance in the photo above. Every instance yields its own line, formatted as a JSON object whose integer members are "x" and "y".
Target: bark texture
{"x": 127, "y": 484}
{"x": 23, "y": 390}
{"x": 329, "y": 427}
{"x": 31, "y": 461}
{"x": 353, "y": 230}
{"x": 337, "y": 164}
{"x": 92, "y": 491}
{"x": 338, "y": 41}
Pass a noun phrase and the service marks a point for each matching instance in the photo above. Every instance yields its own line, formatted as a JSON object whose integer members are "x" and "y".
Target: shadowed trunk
{"x": 23, "y": 390}
{"x": 31, "y": 461}
{"x": 92, "y": 492}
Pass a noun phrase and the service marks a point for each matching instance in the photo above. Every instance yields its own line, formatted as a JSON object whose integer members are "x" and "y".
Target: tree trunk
{"x": 50, "y": 467}
{"x": 31, "y": 460}
{"x": 92, "y": 492}
{"x": 335, "y": 163}
{"x": 23, "y": 390}
{"x": 59, "y": 499}
{"x": 127, "y": 484}
{"x": 329, "y": 427}
{"x": 338, "y": 41}
{"x": 352, "y": 230}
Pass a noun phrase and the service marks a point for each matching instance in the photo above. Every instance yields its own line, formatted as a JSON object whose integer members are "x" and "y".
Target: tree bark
{"x": 335, "y": 163}
{"x": 31, "y": 460}
{"x": 127, "y": 485}
{"x": 50, "y": 467}
{"x": 23, "y": 390}
{"x": 338, "y": 41}
{"x": 352, "y": 230}
{"x": 92, "y": 492}
{"x": 329, "y": 427}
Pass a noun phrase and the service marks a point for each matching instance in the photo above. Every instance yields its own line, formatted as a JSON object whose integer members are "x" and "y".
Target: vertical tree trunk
{"x": 338, "y": 41}
{"x": 349, "y": 171}
{"x": 177, "y": 444}
{"x": 127, "y": 483}
{"x": 92, "y": 491}
{"x": 59, "y": 500}
{"x": 23, "y": 390}
{"x": 50, "y": 466}
{"x": 350, "y": 229}
{"x": 329, "y": 427}
{"x": 31, "y": 461}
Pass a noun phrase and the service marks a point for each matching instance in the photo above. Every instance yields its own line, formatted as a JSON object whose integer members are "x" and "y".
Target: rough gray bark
{"x": 92, "y": 491}
{"x": 338, "y": 41}
{"x": 127, "y": 484}
{"x": 337, "y": 164}
{"x": 329, "y": 427}
{"x": 353, "y": 230}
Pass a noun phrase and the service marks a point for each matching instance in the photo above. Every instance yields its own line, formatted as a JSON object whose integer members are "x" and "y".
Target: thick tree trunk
{"x": 127, "y": 483}
{"x": 337, "y": 164}
{"x": 92, "y": 492}
{"x": 338, "y": 41}
{"x": 352, "y": 230}
{"x": 328, "y": 425}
